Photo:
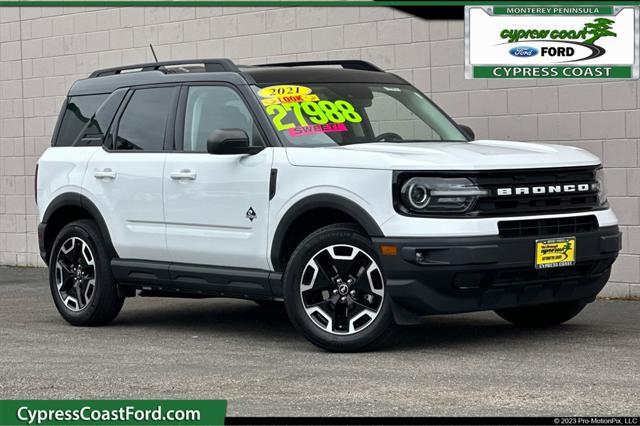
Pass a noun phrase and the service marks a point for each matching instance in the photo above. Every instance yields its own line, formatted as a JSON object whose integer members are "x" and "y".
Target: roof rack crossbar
{"x": 353, "y": 64}
{"x": 210, "y": 65}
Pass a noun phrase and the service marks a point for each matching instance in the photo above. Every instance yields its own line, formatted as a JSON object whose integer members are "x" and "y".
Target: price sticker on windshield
{"x": 303, "y": 118}
{"x": 286, "y": 93}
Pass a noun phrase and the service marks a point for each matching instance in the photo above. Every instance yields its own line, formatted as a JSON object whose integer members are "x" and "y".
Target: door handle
{"x": 184, "y": 174}
{"x": 104, "y": 174}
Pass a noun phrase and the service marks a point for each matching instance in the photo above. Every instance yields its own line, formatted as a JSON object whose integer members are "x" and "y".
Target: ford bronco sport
{"x": 333, "y": 186}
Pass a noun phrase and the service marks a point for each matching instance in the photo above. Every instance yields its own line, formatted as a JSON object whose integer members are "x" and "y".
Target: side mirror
{"x": 229, "y": 142}
{"x": 467, "y": 131}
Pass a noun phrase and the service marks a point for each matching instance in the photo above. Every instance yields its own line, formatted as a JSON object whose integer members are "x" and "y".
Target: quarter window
{"x": 210, "y": 108}
{"x": 80, "y": 109}
{"x": 144, "y": 120}
{"x": 93, "y": 133}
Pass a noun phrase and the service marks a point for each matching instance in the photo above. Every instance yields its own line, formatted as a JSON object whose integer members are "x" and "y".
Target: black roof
{"x": 318, "y": 74}
{"x": 343, "y": 71}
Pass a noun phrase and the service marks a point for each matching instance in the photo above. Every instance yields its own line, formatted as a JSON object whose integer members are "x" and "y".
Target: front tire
{"x": 542, "y": 315}
{"x": 83, "y": 288}
{"x": 335, "y": 291}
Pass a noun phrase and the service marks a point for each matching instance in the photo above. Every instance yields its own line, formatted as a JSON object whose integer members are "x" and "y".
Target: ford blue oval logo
{"x": 523, "y": 51}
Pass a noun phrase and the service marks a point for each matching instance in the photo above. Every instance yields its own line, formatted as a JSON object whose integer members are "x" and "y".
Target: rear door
{"x": 216, "y": 206}
{"x": 125, "y": 180}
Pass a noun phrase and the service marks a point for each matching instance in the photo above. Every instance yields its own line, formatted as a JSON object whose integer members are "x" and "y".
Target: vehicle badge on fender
{"x": 251, "y": 214}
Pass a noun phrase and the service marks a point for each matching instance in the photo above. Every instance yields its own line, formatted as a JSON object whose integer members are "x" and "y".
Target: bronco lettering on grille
{"x": 546, "y": 189}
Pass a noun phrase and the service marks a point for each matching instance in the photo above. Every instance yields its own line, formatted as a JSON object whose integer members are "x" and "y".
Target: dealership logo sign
{"x": 551, "y": 42}
{"x": 592, "y": 31}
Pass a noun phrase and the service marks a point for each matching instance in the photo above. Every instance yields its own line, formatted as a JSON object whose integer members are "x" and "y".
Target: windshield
{"x": 330, "y": 114}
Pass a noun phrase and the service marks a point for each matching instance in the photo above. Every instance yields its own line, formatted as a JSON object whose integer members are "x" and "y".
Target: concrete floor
{"x": 463, "y": 365}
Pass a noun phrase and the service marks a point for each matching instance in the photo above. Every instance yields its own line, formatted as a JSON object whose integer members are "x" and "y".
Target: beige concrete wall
{"x": 43, "y": 50}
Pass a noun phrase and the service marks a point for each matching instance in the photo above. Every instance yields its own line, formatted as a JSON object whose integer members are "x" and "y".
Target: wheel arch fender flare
{"x": 316, "y": 201}
{"x": 75, "y": 199}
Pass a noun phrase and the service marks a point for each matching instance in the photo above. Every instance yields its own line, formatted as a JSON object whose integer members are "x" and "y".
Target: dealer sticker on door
{"x": 551, "y": 41}
{"x": 555, "y": 253}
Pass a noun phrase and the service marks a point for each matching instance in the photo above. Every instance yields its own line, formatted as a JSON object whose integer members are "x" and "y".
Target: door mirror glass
{"x": 230, "y": 141}
{"x": 467, "y": 131}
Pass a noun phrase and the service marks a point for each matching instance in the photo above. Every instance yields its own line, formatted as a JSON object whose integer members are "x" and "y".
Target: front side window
{"x": 211, "y": 108}
{"x": 144, "y": 120}
{"x": 330, "y": 114}
{"x": 395, "y": 121}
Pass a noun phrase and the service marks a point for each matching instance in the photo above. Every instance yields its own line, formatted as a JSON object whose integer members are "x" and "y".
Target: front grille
{"x": 547, "y": 227}
{"x": 546, "y": 191}
{"x": 536, "y": 203}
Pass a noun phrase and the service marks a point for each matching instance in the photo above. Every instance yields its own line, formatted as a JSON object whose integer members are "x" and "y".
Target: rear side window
{"x": 144, "y": 120}
{"x": 80, "y": 109}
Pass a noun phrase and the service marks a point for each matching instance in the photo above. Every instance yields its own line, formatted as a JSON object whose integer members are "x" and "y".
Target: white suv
{"x": 333, "y": 186}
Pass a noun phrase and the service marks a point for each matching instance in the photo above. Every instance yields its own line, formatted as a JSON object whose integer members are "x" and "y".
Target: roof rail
{"x": 210, "y": 65}
{"x": 353, "y": 64}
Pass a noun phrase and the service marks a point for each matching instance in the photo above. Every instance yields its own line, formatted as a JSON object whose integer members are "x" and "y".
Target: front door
{"x": 125, "y": 178}
{"x": 216, "y": 206}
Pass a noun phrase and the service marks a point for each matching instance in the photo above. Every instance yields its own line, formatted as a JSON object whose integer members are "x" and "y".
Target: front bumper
{"x": 465, "y": 274}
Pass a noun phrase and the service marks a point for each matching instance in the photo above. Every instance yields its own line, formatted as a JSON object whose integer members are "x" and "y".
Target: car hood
{"x": 476, "y": 155}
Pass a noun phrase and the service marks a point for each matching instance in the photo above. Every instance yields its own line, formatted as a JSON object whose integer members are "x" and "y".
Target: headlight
{"x": 417, "y": 195}
{"x": 602, "y": 191}
{"x": 439, "y": 195}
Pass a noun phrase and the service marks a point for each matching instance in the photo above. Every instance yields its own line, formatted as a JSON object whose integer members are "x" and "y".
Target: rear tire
{"x": 83, "y": 288}
{"x": 334, "y": 291}
{"x": 542, "y": 315}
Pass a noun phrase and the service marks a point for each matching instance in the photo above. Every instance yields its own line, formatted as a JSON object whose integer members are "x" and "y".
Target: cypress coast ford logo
{"x": 562, "y": 43}
{"x": 569, "y": 41}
